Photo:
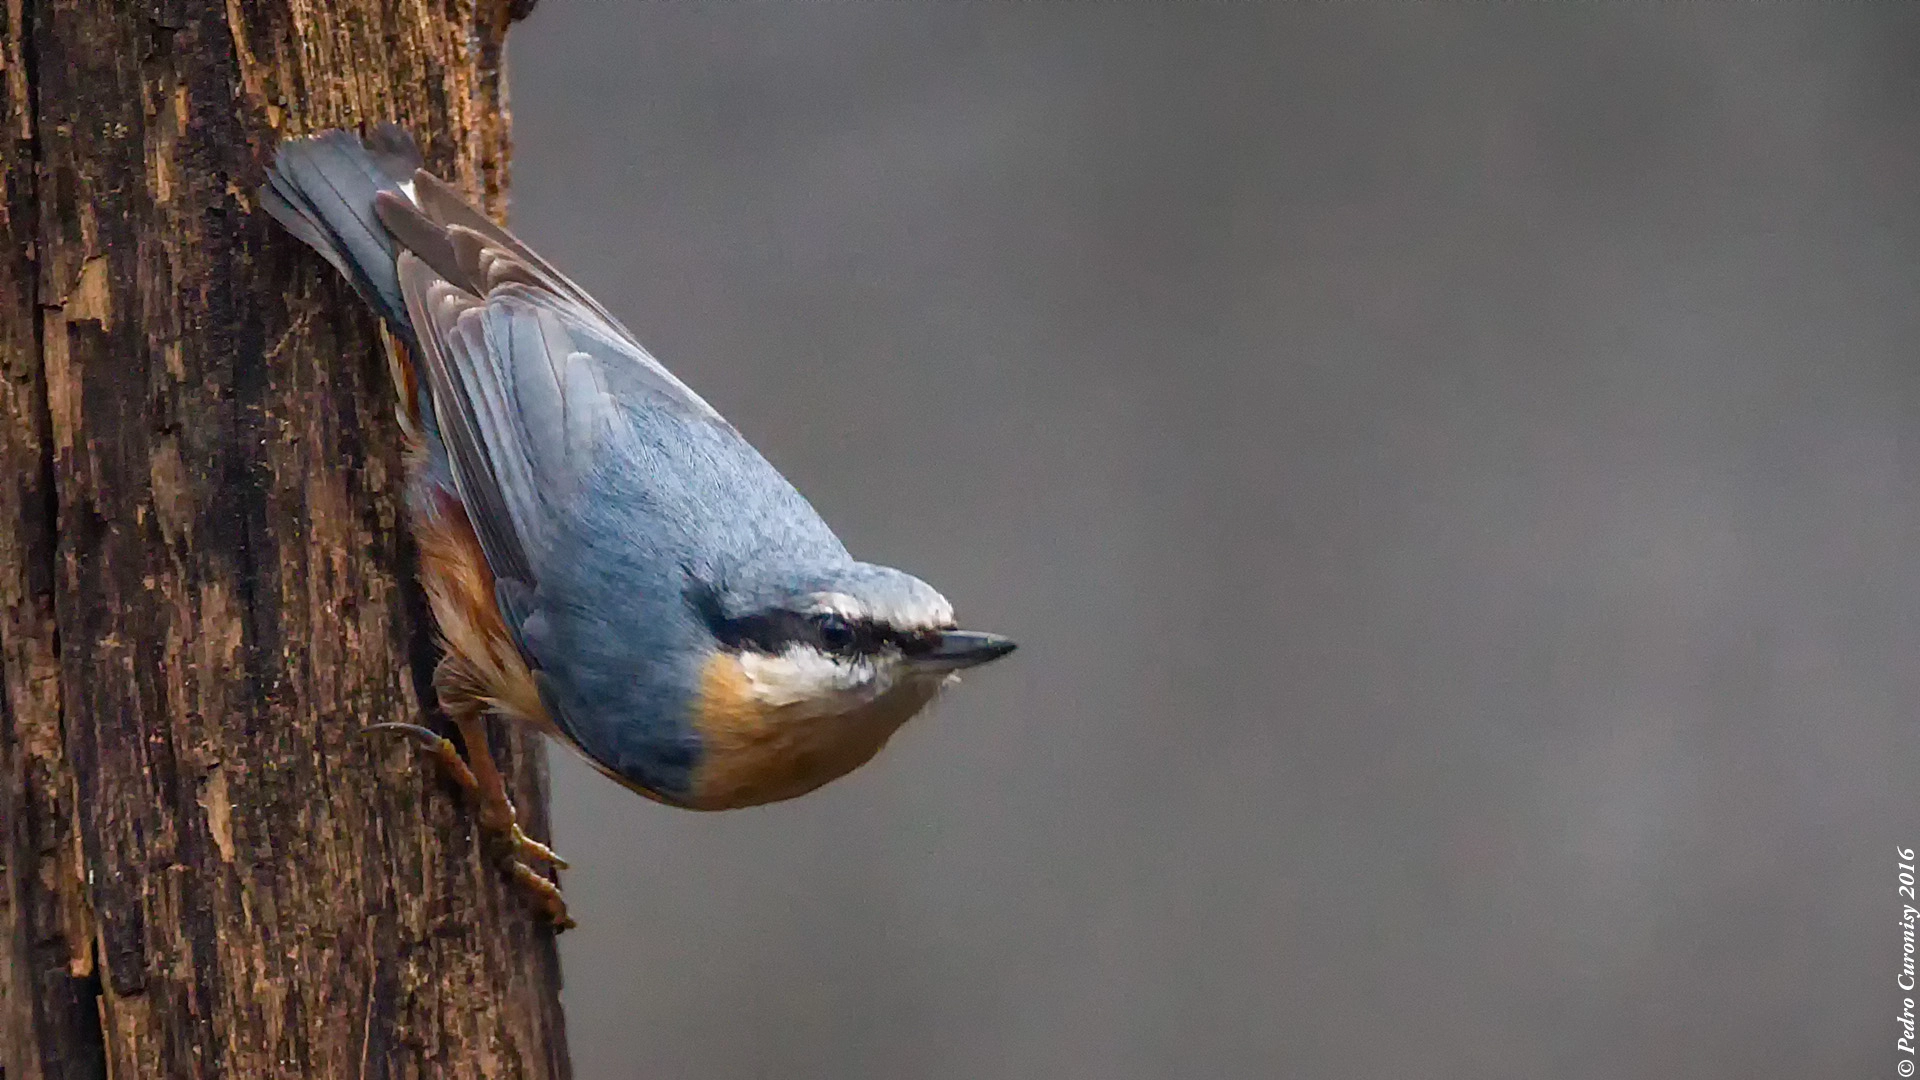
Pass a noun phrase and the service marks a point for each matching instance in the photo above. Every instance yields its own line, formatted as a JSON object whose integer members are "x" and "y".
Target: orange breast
{"x": 750, "y": 755}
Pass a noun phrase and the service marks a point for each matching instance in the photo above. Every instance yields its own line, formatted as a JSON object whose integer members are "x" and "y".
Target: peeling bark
{"x": 204, "y": 582}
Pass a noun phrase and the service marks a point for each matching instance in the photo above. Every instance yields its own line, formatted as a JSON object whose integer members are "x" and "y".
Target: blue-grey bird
{"x": 606, "y": 558}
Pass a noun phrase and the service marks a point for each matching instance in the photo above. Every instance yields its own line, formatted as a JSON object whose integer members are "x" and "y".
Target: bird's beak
{"x": 958, "y": 649}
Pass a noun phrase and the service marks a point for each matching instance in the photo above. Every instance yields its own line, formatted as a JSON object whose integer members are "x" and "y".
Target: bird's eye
{"x": 836, "y": 633}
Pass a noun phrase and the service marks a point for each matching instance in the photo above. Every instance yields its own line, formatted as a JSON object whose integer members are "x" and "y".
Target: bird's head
{"x": 835, "y": 640}
{"x": 810, "y": 677}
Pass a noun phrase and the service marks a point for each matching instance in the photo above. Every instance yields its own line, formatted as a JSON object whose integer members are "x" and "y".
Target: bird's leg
{"x": 497, "y": 815}
{"x": 479, "y": 777}
{"x": 441, "y": 748}
{"x": 464, "y": 777}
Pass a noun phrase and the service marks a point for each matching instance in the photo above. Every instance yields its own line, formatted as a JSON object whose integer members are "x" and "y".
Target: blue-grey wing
{"x": 467, "y": 242}
{"x": 523, "y": 370}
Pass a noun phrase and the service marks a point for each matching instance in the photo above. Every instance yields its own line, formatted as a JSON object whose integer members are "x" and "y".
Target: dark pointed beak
{"x": 956, "y": 649}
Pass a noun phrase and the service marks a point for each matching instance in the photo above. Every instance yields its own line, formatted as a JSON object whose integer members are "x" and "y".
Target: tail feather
{"x": 322, "y": 189}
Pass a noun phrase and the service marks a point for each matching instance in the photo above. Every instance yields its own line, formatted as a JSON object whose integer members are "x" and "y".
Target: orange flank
{"x": 483, "y": 661}
{"x": 406, "y": 384}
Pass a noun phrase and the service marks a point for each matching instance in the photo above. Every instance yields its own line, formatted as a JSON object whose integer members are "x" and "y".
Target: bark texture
{"x": 204, "y": 584}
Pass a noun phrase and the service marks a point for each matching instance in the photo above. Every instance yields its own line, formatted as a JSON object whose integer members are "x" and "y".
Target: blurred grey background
{"x": 1451, "y": 470}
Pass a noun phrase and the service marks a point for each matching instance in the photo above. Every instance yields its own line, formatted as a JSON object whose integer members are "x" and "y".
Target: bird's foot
{"x": 544, "y": 894}
{"x": 498, "y": 820}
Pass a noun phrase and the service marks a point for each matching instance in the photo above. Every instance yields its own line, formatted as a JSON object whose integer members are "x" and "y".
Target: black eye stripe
{"x": 768, "y": 632}
{"x": 915, "y": 642}
{"x": 773, "y": 632}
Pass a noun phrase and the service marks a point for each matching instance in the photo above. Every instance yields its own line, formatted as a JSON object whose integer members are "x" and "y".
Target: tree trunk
{"x": 205, "y": 587}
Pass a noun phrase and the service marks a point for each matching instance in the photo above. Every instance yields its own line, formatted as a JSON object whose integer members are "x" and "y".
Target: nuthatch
{"x": 606, "y": 558}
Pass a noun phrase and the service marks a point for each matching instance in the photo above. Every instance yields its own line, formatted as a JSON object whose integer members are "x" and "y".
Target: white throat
{"x": 819, "y": 683}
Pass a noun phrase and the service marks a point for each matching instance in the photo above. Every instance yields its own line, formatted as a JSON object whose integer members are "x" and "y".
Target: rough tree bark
{"x": 204, "y": 585}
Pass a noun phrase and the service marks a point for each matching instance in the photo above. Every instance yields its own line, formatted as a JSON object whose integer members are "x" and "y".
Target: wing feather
{"x": 467, "y": 406}
{"x": 522, "y": 368}
{"x": 440, "y": 202}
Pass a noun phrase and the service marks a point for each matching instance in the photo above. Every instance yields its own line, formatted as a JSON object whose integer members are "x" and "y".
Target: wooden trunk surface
{"x": 204, "y": 582}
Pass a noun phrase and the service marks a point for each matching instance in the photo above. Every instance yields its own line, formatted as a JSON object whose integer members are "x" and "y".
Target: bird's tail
{"x": 322, "y": 187}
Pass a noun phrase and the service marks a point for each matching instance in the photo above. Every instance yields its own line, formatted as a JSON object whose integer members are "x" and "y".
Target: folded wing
{"x": 521, "y": 366}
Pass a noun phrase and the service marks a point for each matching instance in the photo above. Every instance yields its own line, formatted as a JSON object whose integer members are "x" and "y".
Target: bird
{"x": 606, "y": 559}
